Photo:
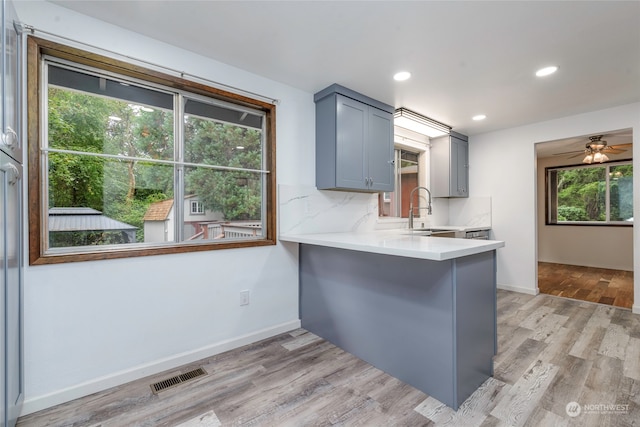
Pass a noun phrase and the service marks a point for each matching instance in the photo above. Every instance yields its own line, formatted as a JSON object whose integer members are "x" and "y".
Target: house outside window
{"x": 590, "y": 194}
{"x": 122, "y": 143}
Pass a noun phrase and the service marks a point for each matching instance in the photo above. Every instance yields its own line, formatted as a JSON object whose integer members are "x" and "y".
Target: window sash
{"x": 552, "y": 204}
{"x": 41, "y": 54}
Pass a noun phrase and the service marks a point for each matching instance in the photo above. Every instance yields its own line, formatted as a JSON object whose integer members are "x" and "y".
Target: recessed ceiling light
{"x": 546, "y": 71}
{"x": 401, "y": 76}
{"x": 479, "y": 117}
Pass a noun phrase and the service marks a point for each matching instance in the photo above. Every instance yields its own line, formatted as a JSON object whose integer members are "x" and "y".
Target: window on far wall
{"x": 591, "y": 194}
{"x": 396, "y": 204}
{"x": 117, "y": 145}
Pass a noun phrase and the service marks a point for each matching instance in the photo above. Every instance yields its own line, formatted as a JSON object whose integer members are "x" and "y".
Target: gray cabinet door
{"x": 380, "y": 150}
{"x": 449, "y": 166}
{"x": 459, "y": 167}
{"x": 352, "y": 121}
{"x": 11, "y": 90}
{"x": 3, "y": 305}
{"x": 11, "y": 172}
{"x": 354, "y": 141}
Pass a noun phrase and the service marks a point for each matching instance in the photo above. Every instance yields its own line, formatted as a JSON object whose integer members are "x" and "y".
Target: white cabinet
{"x": 450, "y": 166}
{"x": 11, "y": 250}
{"x": 354, "y": 141}
{"x": 10, "y": 88}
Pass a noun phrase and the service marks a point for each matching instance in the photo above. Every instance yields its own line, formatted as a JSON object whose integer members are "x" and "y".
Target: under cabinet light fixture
{"x": 418, "y": 123}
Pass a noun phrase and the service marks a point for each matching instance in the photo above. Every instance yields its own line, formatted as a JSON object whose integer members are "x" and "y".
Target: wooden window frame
{"x": 36, "y": 48}
{"x": 551, "y": 202}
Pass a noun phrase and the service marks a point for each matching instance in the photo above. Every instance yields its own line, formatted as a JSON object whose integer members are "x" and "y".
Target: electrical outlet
{"x": 244, "y": 297}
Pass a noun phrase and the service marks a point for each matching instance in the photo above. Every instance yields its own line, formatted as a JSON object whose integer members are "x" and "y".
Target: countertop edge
{"x": 325, "y": 239}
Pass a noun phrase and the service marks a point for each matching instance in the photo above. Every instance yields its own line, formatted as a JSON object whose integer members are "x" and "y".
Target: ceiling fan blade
{"x": 568, "y": 152}
{"x": 577, "y": 155}
{"x": 615, "y": 151}
{"x": 620, "y": 146}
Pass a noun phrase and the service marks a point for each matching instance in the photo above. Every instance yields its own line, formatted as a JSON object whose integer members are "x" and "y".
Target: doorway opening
{"x": 585, "y": 218}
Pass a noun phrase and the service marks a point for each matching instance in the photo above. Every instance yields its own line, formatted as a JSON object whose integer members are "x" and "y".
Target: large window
{"x": 591, "y": 194}
{"x": 127, "y": 162}
{"x": 396, "y": 203}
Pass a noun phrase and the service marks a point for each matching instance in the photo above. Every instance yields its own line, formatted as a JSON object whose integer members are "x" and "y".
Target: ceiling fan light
{"x": 599, "y": 157}
{"x": 588, "y": 159}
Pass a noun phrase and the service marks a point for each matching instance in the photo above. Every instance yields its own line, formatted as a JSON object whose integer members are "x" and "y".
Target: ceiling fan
{"x": 596, "y": 150}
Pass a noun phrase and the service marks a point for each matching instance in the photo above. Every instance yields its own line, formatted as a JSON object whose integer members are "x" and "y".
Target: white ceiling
{"x": 466, "y": 57}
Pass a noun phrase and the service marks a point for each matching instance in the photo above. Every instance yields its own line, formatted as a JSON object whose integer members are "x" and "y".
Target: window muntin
{"x": 116, "y": 150}
{"x": 197, "y": 208}
{"x": 590, "y": 194}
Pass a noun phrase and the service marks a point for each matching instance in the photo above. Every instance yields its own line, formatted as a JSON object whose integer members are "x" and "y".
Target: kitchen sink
{"x": 436, "y": 232}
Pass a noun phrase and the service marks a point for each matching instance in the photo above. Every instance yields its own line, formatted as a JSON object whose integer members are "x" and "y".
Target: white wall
{"x": 92, "y": 325}
{"x": 503, "y": 166}
{"x": 574, "y": 245}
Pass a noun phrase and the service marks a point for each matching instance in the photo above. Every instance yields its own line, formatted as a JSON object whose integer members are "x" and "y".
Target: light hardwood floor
{"x": 601, "y": 285}
{"x": 552, "y": 351}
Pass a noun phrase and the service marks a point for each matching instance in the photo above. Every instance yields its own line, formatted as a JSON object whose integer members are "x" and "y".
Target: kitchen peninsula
{"x": 420, "y": 308}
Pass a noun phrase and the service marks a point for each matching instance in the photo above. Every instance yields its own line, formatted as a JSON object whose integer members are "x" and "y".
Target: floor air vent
{"x": 178, "y": 379}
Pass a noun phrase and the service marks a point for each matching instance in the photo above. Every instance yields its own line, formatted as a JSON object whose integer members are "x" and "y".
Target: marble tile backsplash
{"x": 472, "y": 212}
{"x": 304, "y": 209}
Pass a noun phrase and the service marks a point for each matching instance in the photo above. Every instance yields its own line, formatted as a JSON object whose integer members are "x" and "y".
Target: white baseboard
{"x": 520, "y": 289}
{"x": 37, "y": 403}
{"x": 635, "y": 309}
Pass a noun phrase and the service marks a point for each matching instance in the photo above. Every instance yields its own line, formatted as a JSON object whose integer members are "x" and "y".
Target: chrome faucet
{"x": 428, "y": 207}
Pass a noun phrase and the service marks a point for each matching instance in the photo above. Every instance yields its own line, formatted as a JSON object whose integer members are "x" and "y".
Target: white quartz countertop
{"x": 398, "y": 243}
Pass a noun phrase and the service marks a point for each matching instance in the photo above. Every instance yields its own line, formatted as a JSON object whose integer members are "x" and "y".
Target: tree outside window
{"x": 601, "y": 194}
{"x": 149, "y": 167}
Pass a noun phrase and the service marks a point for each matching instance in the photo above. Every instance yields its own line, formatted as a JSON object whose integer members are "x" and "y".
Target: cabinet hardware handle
{"x": 10, "y": 138}
{"x": 13, "y": 174}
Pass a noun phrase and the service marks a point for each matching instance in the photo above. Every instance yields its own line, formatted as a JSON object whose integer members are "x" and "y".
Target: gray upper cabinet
{"x": 10, "y": 140}
{"x": 354, "y": 141}
{"x": 450, "y": 166}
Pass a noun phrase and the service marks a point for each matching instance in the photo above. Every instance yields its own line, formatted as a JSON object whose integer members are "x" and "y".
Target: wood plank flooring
{"x": 601, "y": 285}
{"x": 551, "y": 352}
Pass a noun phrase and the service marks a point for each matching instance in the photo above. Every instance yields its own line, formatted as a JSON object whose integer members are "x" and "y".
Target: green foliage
{"x": 571, "y": 213}
{"x": 582, "y": 193}
{"x": 583, "y": 188}
{"x": 124, "y": 189}
{"x": 236, "y": 194}
{"x": 76, "y": 122}
{"x": 76, "y": 238}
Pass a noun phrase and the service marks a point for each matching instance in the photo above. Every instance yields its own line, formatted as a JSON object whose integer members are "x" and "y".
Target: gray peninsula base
{"x": 431, "y": 324}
